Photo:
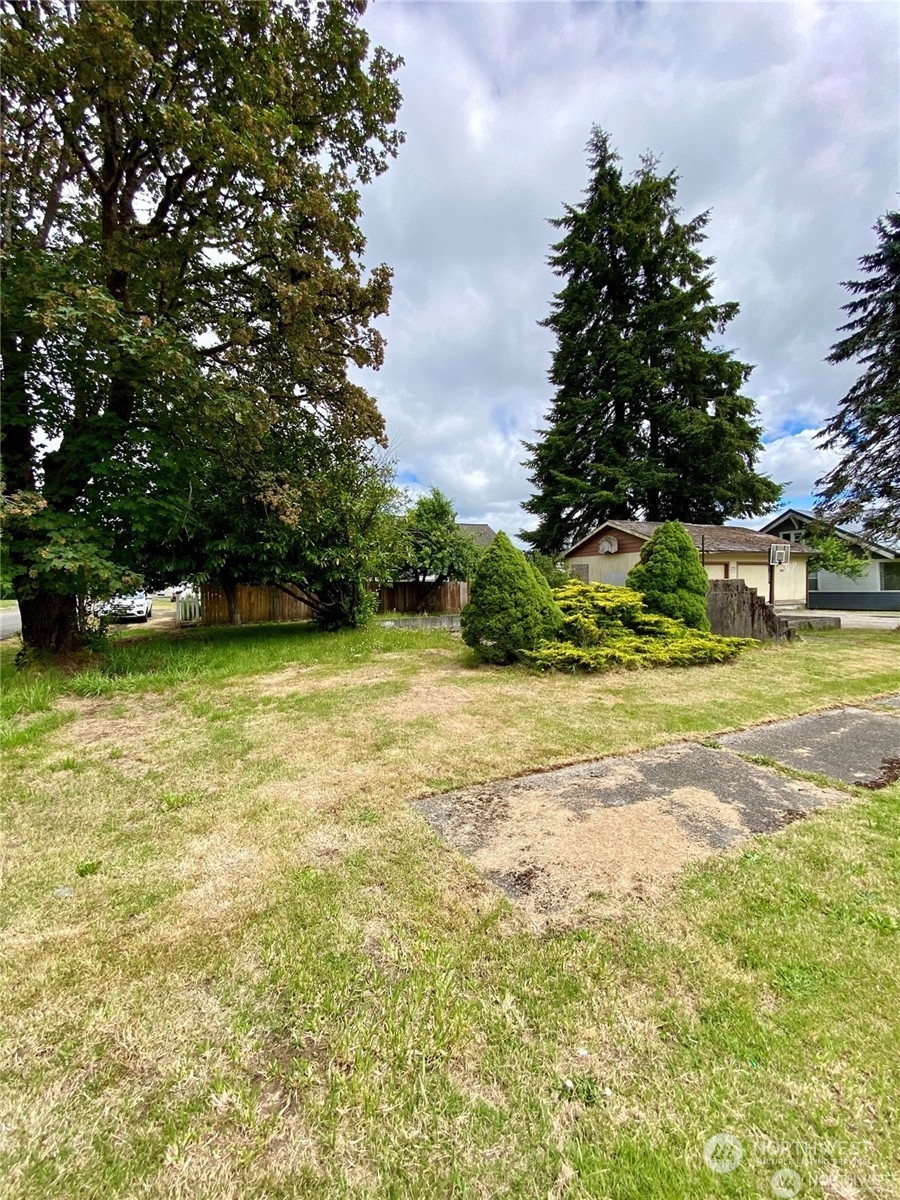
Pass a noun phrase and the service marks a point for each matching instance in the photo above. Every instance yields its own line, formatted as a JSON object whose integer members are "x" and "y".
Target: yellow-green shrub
{"x": 609, "y": 627}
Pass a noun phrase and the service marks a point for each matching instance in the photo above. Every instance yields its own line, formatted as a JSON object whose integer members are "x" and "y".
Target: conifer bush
{"x": 509, "y": 613}
{"x": 671, "y": 578}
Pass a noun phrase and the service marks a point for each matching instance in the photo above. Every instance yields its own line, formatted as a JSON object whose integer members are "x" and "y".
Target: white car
{"x": 179, "y": 590}
{"x": 136, "y": 607}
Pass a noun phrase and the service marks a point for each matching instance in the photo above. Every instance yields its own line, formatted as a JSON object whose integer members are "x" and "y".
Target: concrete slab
{"x": 853, "y": 745}
{"x": 801, "y": 621}
{"x": 888, "y": 702}
{"x": 615, "y": 827}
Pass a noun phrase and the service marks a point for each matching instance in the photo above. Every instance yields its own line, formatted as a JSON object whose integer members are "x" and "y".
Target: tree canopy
{"x": 181, "y": 265}
{"x": 436, "y": 548}
{"x": 649, "y": 418}
{"x": 864, "y": 487}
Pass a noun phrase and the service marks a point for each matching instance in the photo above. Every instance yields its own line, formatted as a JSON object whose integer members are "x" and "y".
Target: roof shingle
{"x": 714, "y": 539}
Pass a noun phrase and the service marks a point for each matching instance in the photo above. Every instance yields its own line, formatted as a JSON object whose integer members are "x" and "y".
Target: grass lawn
{"x": 9, "y": 603}
{"x": 265, "y": 977}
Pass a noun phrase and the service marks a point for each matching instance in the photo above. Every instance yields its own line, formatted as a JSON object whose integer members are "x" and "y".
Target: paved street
{"x": 10, "y": 622}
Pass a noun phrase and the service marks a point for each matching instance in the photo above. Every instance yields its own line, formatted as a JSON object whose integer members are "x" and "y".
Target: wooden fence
{"x": 262, "y": 604}
{"x": 255, "y": 604}
{"x": 423, "y": 597}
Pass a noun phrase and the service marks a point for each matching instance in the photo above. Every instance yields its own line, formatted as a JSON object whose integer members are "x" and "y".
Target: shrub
{"x": 551, "y": 568}
{"x": 550, "y": 610}
{"x": 607, "y": 627}
{"x": 508, "y": 613}
{"x": 671, "y": 578}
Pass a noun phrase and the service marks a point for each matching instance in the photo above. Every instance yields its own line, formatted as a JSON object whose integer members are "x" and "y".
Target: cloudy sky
{"x": 780, "y": 118}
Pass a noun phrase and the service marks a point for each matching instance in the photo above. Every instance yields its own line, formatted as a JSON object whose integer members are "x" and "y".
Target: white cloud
{"x": 782, "y": 118}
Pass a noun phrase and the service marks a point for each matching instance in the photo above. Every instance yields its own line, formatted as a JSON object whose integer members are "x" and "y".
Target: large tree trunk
{"x": 234, "y": 613}
{"x": 50, "y": 623}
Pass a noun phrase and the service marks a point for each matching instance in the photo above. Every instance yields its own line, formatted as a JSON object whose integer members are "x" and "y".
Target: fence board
{"x": 255, "y": 604}
{"x": 262, "y": 604}
{"x": 423, "y": 597}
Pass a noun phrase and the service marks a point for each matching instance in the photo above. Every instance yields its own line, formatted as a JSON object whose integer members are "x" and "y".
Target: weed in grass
{"x": 88, "y": 868}
{"x": 173, "y": 801}
{"x": 70, "y": 763}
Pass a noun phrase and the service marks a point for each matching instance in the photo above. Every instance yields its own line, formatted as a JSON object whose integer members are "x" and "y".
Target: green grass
{"x": 271, "y": 980}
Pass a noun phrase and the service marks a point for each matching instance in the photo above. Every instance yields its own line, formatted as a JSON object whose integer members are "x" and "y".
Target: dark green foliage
{"x": 609, "y": 627}
{"x": 317, "y": 517}
{"x": 435, "y": 547}
{"x": 671, "y": 578}
{"x": 508, "y": 612}
{"x": 550, "y": 567}
{"x": 865, "y": 485}
{"x": 649, "y": 419}
{"x": 181, "y": 269}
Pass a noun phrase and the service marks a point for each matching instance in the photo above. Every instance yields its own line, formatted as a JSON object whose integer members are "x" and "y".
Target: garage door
{"x": 715, "y": 570}
{"x": 755, "y": 575}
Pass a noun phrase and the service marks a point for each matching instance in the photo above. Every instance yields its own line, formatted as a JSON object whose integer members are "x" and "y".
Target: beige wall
{"x": 606, "y": 568}
{"x": 790, "y": 580}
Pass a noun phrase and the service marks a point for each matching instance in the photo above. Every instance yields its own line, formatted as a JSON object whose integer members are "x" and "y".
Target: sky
{"x": 782, "y": 119}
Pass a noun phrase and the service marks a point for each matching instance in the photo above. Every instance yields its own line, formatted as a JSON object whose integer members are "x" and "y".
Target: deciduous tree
{"x": 436, "y": 548}
{"x": 181, "y": 260}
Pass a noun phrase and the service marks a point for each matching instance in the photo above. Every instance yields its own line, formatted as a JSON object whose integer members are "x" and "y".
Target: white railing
{"x": 187, "y": 609}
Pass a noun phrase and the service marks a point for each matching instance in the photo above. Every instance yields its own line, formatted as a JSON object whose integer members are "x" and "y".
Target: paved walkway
{"x": 869, "y": 619}
{"x": 852, "y": 745}
{"x": 624, "y": 825}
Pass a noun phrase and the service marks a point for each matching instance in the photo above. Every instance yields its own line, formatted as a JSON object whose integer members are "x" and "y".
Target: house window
{"x": 890, "y": 576}
{"x": 814, "y": 581}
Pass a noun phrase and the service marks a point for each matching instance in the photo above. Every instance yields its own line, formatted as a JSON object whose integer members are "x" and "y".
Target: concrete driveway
{"x": 860, "y": 620}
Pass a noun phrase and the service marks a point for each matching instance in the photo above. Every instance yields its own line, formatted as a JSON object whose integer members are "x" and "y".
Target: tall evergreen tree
{"x": 649, "y": 419}
{"x": 865, "y": 485}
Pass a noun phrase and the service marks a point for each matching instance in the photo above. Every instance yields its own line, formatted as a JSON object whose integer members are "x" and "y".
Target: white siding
{"x": 755, "y": 575}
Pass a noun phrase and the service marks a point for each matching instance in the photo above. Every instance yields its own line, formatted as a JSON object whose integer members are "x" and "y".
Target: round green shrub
{"x": 508, "y": 612}
{"x": 671, "y": 578}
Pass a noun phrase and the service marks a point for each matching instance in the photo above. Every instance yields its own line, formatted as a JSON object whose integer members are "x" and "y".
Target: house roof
{"x": 804, "y": 518}
{"x": 714, "y": 539}
{"x": 481, "y": 535}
